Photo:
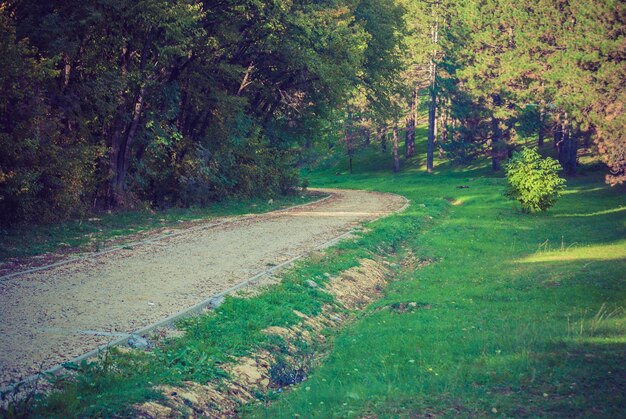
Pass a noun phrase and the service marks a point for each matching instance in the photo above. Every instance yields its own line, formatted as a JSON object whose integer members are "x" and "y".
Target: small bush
{"x": 534, "y": 180}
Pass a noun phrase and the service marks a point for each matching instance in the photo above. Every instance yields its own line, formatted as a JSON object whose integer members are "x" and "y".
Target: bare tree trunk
{"x": 347, "y": 132}
{"x": 496, "y": 138}
{"x": 541, "y": 130}
{"x": 349, "y": 147}
{"x": 572, "y": 164}
{"x": 409, "y": 139}
{"x": 432, "y": 90}
{"x": 246, "y": 79}
{"x": 497, "y": 147}
{"x": 432, "y": 130}
{"x": 123, "y": 133}
{"x": 568, "y": 148}
{"x": 382, "y": 136}
{"x": 561, "y": 145}
{"x": 558, "y": 134}
{"x": 67, "y": 69}
{"x": 113, "y": 195}
{"x": 444, "y": 122}
{"x": 120, "y": 151}
{"x": 132, "y": 130}
{"x": 396, "y": 157}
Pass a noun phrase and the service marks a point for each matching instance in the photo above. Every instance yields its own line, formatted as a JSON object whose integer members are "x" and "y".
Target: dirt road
{"x": 53, "y": 315}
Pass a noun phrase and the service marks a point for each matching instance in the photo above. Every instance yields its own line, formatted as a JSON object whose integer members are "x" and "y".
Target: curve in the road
{"x": 70, "y": 310}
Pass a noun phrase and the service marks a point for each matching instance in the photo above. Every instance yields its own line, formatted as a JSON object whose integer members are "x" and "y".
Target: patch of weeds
{"x": 409, "y": 307}
{"x": 453, "y": 201}
{"x": 293, "y": 367}
{"x": 20, "y": 400}
{"x": 190, "y": 363}
{"x": 591, "y": 326}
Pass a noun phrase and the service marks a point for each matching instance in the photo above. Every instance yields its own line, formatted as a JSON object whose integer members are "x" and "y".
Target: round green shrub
{"x": 534, "y": 180}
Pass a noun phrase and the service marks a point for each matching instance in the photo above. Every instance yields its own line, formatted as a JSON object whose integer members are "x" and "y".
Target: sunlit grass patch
{"x": 575, "y": 252}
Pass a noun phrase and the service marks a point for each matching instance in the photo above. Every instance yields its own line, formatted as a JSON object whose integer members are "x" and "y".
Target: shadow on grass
{"x": 585, "y": 380}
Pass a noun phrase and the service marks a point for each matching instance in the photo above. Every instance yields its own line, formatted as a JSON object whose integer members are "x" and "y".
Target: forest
{"x": 111, "y": 105}
{"x": 312, "y": 208}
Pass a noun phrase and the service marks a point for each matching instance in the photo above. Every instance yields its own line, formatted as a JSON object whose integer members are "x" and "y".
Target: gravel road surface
{"x": 53, "y": 315}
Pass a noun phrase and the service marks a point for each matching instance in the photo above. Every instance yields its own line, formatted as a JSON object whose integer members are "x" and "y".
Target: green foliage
{"x": 292, "y": 366}
{"x": 534, "y": 180}
{"x": 127, "y": 104}
{"x": 560, "y": 59}
{"x": 43, "y": 173}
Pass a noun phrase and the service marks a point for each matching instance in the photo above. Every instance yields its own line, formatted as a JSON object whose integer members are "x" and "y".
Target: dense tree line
{"x": 493, "y": 74}
{"x": 501, "y": 71}
{"x": 118, "y": 103}
{"x": 111, "y": 104}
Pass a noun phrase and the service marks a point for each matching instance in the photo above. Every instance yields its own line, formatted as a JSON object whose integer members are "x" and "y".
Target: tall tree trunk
{"x": 497, "y": 146}
{"x": 432, "y": 130}
{"x": 132, "y": 131}
{"x": 445, "y": 120}
{"x": 246, "y": 81}
{"x": 67, "y": 69}
{"x": 573, "y": 155}
{"x": 382, "y": 137}
{"x": 496, "y": 139}
{"x": 396, "y": 157}
{"x": 558, "y": 134}
{"x": 350, "y": 159}
{"x": 347, "y": 132}
{"x": 349, "y": 148}
{"x": 120, "y": 152}
{"x": 432, "y": 90}
{"x": 409, "y": 139}
{"x": 567, "y": 148}
{"x": 542, "y": 122}
{"x": 124, "y": 134}
{"x": 562, "y": 146}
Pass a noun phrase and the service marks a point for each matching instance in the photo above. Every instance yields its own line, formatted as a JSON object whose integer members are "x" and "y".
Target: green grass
{"x": 525, "y": 313}
{"x": 93, "y": 233}
{"x": 519, "y": 315}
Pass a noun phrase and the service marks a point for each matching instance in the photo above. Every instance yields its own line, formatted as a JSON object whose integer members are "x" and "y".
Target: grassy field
{"x": 518, "y": 315}
{"x": 521, "y": 315}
